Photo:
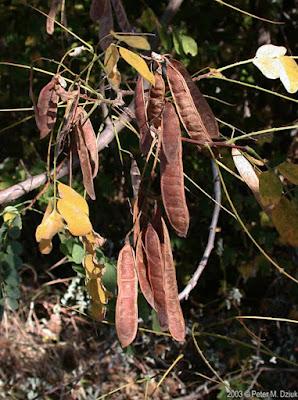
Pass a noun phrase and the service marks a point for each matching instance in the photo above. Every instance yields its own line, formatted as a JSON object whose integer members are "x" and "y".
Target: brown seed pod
{"x": 84, "y": 162}
{"x": 171, "y": 133}
{"x": 156, "y": 100}
{"x": 172, "y": 191}
{"x": 141, "y": 117}
{"x": 186, "y": 108}
{"x": 106, "y": 25}
{"x": 98, "y": 9}
{"x": 141, "y": 265}
{"x": 87, "y": 131}
{"x": 126, "y": 317}
{"x": 121, "y": 16}
{"x": 50, "y": 24}
{"x": 156, "y": 274}
{"x": 46, "y": 108}
{"x": 200, "y": 102}
{"x": 174, "y": 312}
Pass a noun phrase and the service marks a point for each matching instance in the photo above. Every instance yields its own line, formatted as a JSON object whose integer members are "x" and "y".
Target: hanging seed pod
{"x": 171, "y": 135}
{"x": 121, "y": 16}
{"x": 172, "y": 191}
{"x": 126, "y": 317}
{"x": 174, "y": 312}
{"x": 141, "y": 265}
{"x": 156, "y": 274}
{"x": 98, "y": 9}
{"x": 199, "y": 100}
{"x": 156, "y": 101}
{"x": 50, "y": 24}
{"x": 141, "y": 117}
{"x": 106, "y": 25}
{"x": 186, "y": 108}
{"x": 46, "y": 109}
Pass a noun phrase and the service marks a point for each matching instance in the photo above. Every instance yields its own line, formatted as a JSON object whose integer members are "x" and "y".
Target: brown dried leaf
{"x": 141, "y": 117}
{"x": 121, "y": 16}
{"x": 199, "y": 100}
{"x": 126, "y": 317}
{"x": 172, "y": 191}
{"x": 186, "y": 108}
{"x": 141, "y": 265}
{"x": 174, "y": 312}
{"x": 156, "y": 100}
{"x": 171, "y": 133}
{"x": 156, "y": 274}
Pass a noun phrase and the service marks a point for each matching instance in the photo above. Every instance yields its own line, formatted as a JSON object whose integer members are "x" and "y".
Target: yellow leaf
{"x": 69, "y": 194}
{"x": 93, "y": 240}
{"x": 139, "y": 42}
{"x": 111, "y": 59}
{"x": 267, "y": 60}
{"x": 138, "y": 63}
{"x": 50, "y": 225}
{"x": 289, "y": 73}
{"x": 91, "y": 268}
{"x": 77, "y": 220}
{"x": 45, "y": 246}
{"x": 96, "y": 291}
{"x": 97, "y": 311}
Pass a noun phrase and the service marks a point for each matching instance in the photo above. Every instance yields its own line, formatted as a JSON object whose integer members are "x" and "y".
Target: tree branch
{"x": 210, "y": 244}
{"x": 171, "y": 10}
{"x": 104, "y": 139}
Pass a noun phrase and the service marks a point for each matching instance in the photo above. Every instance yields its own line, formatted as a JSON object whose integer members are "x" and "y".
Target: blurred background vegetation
{"x": 49, "y": 347}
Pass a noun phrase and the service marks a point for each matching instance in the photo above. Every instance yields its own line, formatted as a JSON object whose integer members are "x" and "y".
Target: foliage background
{"x": 223, "y": 37}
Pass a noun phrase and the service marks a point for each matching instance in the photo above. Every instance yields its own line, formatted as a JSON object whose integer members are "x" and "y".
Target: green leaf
{"x": 189, "y": 45}
{"x": 289, "y": 171}
{"x": 14, "y": 232}
{"x": 149, "y": 20}
{"x": 14, "y": 247}
{"x": 77, "y": 253}
{"x": 177, "y": 43}
{"x": 109, "y": 278}
{"x": 155, "y": 324}
{"x": 270, "y": 188}
{"x": 285, "y": 219}
{"x": 12, "y": 303}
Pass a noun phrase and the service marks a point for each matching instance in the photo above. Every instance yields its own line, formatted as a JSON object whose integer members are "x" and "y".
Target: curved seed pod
{"x": 86, "y": 130}
{"x": 171, "y": 135}
{"x": 174, "y": 312}
{"x": 126, "y": 317}
{"x": 189, "y": 115}
{"x": 199, "y": 100}
{"x": 84, "y": 162}
{"x": 141, "y": 117}
{"x": 156, "y": 274}
{"x": 46, "y": 108}
{"x": 156, "y": 100}
{"x": 142, "y": 272}
{"x": 106, "y": 25}
{"x": 98, "y": 9}
{"x": 50, "y": 24}
{"x": 121, "y": 16}
{"x": 172, "y": 192}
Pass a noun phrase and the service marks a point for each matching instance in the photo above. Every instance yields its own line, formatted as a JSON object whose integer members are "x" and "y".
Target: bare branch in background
{"x": 171, "y": 10}
{"x": 210, "y": 244}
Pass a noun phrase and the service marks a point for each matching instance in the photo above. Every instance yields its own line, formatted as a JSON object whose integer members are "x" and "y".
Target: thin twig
{"x": 104, "y": 139}
{"x": 210, "y": 244}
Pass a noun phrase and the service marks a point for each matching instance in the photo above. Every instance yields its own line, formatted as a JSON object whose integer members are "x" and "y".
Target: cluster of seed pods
{"x": 77, "y": 127}
{"x": 151, "y": 262}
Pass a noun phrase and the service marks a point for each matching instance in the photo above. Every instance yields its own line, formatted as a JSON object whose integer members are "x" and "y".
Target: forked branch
{"x": 210, "y": 244}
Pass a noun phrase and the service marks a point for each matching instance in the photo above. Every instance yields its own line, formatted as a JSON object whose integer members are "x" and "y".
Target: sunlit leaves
{"x": 273, "y": 64}
{"x": 77, "y": 221}
{"x": 139, "y": 42}
{"x": 70, "y": 194}
{"x": 137, "y": 63}
{"x": 110, "y": 64}
{"x": 246, "y": 171}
